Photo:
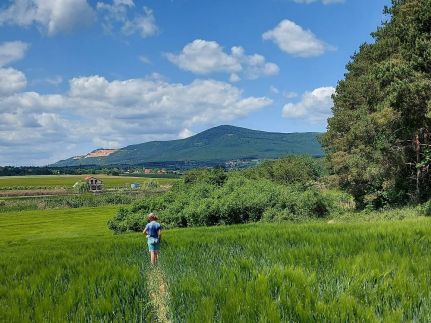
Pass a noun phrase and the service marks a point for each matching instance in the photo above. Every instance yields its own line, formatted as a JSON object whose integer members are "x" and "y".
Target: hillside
{"x": 221, "y": 143}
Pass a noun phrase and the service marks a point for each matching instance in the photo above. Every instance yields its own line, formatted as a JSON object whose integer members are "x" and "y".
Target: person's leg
{"x": 156, "y": 256}
{"x": 153, "y": 257}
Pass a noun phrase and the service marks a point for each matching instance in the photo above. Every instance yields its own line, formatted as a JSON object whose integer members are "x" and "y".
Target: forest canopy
{"x": 378, "y": 142}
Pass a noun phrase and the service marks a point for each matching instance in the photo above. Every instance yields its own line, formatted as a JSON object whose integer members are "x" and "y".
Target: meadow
{"x": 67, "y": 181}
{"x": 65, "y": 264}
{"x": 313, "y": 272}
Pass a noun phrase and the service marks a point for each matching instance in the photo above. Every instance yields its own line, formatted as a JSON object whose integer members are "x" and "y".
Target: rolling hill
{"x": 219, "y": 144}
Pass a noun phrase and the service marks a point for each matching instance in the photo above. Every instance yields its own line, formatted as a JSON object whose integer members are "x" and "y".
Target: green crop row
{"x": 71, "y": 201}
{"x": 300, "y": 272}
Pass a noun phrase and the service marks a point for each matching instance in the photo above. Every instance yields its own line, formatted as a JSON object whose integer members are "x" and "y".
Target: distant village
{"x": 151, "y": 171}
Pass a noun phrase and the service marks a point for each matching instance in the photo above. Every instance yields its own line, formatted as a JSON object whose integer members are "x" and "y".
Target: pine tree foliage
{"x": 378, "y": 141}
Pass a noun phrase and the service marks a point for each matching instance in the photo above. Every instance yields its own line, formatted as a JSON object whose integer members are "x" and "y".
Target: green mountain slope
{"x": 221, "y": 143}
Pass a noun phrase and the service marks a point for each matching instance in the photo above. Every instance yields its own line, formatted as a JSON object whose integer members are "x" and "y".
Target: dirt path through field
{"x": 159, "y": 294}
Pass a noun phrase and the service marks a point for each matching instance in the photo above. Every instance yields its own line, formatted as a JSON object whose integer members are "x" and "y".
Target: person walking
{"x": 153, "y": 230}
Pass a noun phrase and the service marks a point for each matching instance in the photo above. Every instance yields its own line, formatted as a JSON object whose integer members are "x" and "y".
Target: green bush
{"x": 425, "y": 209}
{"x": 285, "y": 189}
{"x": 216, "y": 176}
{"x": 297, "y": 170}
{"x": 239, "y": 200}
{"x": 81, "y": 187}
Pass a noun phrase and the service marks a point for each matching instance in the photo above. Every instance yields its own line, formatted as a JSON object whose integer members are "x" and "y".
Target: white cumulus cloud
{"x": 315, "y": 106}
{"x": 12, "y": 51}
{"x": 205, "y": 57}
{"x": 293, "y": 39}
{"x": 119, "y": 13}
{"x": 52, "y": 16}
{"x": 11, "y": 81}
{"x": 96, "y": 112}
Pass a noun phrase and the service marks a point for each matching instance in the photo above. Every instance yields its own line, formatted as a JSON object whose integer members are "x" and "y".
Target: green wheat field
{"x": 65, "y": 265}
{"x": 67, "y": 181}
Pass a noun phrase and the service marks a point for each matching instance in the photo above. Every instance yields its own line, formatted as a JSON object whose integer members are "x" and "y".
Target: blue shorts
{"x": 153, "y": 244}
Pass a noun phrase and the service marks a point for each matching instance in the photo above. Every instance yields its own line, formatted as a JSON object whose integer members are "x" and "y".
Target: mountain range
{"x": 219, "y": 144}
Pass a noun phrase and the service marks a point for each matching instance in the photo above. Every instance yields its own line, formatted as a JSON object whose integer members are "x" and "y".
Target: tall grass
{"x": 65, "y": 266}
{"x": 314, "y": 272}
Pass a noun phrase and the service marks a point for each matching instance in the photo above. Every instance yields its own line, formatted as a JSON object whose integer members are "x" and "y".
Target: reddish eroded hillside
{"x": 101, "y": 153}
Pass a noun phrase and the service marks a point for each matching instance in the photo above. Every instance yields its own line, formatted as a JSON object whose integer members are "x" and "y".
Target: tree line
{"x": 378, "y": 142}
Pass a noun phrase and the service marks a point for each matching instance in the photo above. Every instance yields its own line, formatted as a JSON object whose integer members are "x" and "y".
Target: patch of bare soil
{"x": 101, "y": 153}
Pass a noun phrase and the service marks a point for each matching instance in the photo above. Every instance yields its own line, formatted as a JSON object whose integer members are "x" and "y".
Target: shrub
{"x": 81, "y": 187}
{"x": 239, "y": 200}
{"x": 298, "y": 170}
{"x": 425, "y": 208}
{"x": 216, "y": 176}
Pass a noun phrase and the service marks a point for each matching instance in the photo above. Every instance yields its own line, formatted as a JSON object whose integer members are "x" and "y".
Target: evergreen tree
{"x": 378, "y": 141}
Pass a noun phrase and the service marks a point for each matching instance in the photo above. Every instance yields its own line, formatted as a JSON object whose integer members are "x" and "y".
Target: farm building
{"x": 95, "y": 184}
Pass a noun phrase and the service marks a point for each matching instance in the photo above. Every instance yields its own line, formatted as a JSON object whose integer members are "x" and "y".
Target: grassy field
{"x": 68, "y": 181}
{"x": 366, "y": 272}
{"x": 64, "y": 265}
{"x": 58, "y": 265}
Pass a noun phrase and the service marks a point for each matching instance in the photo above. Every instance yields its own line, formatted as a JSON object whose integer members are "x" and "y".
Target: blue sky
{"x": 76, "y": 75}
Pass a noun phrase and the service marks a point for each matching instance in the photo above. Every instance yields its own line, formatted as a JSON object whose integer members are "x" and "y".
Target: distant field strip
{"x": 69, "y": 180}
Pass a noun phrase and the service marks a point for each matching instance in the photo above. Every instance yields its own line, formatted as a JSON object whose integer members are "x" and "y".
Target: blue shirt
{"x": 152, "y": 229}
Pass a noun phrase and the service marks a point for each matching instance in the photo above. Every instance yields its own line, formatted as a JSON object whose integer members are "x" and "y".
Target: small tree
{"x": 81, "y": 187}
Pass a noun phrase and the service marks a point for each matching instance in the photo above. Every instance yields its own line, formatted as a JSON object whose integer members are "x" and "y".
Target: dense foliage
{"x": 81, "y": 187}
{"x": 378, "y": 141}
{"x": 274, "y": 191}
{"x": 19, "y": 171}
{"x": 291, "y": 170}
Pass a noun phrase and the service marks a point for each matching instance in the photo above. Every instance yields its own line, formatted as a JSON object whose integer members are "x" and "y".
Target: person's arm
{"x": 145, "y": 230}
{"x": 159, "y": 234}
